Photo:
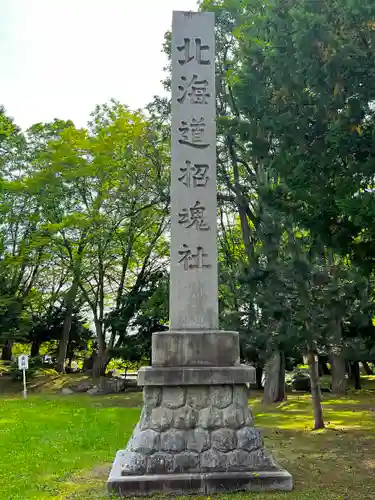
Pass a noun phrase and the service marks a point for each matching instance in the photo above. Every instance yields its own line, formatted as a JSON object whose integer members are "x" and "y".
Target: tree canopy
{"x": 85, "y": 211}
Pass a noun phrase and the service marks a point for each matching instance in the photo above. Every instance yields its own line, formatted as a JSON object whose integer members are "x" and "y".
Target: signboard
{"x": 23, "y": 362}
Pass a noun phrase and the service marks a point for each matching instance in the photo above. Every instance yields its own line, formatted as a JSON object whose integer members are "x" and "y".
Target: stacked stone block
{"x": 195, "y": 429}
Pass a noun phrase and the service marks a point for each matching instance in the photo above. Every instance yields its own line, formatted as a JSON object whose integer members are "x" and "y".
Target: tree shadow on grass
{"x": 122, "y": 400}
{"x": 324, "y": 466}
{"x": 337, "y": 462}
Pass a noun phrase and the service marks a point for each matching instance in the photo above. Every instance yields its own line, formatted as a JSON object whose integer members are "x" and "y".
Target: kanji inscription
{"x": 193, "y": 295}
{"x": 195, "y": 89}
{"x": 189, "y": 53}
{"x": 194, "y": 175}
{"x": 194, "y": 217}
{"x": 192, "y": 134}
{"x": 192, "y": 260}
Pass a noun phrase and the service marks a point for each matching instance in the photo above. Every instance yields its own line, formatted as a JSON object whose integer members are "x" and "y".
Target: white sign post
{"x": 23, "y": 364}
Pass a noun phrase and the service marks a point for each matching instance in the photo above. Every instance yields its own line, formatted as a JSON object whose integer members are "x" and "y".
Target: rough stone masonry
{"x": 196, "y": 432}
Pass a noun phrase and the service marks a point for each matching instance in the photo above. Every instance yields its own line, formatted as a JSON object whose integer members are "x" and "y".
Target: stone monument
{"x": 195, "y": 433}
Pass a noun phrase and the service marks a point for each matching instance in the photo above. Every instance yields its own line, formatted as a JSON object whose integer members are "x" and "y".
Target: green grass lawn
{"x": 60, "y": 447}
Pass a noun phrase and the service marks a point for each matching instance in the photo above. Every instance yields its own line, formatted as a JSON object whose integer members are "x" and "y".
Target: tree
{"x": 105, "y": 207}
{"x": 101, "y": 193}
{"x": 22, "y": 242}
{"x": 32, "y": 192}
{"x": 283, "y": 104}
{"x": 304, "y": 91}
{"x": 151, "y": 316}
{"x": 50, "y": 326}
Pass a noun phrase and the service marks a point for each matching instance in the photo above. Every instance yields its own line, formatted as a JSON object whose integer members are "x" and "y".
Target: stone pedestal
{"x": 196, "y": 432}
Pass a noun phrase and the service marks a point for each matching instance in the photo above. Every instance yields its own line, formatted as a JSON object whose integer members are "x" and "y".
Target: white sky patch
{"x": 59, "y": 58}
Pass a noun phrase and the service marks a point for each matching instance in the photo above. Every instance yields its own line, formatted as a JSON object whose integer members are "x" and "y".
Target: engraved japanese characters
{"x": 193, "y": 195}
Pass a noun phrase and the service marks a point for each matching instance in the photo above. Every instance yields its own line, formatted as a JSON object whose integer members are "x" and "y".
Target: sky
{"x": 59, "y": 58}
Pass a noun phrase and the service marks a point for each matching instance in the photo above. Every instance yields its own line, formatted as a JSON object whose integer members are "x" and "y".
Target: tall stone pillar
{"x": 195, "y": 433}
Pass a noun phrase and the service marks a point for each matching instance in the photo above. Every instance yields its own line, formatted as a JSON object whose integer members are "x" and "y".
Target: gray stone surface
{"x": 239, "y": 460}
{"x": 173, "y": 440}
{"x": 191, "y": 437}
{"x": 186, "y": 440}
{"x": 198, "y": 440}
{"x": 112, "y": 385}
{"x": 240, "y": 395}
{"x": 193, "y": 266}
{"x": 221, "y": 396}
{"x": 186, "y": 418}
{"x": 249, "y": 420}
{"x": 160, "y": 463}
{"x": 200, "y": 375}
{"x": 197, "y": 396}
{"x": 237, "y": 481}
{"x": 200, "y": 348}
{"x": 83, "y": 386}
{"x": 173, "y": 397}
{"x": 233, "y": 417}
{"x": 249, "y": 439}
{"x": 212, "y": 460}
{"x": 210, "y": 418}
{"x": 137, "y": 429}
{"x": 186, "y": 462}
{"x": 151, "y": 396}
{"x": 223, "y": 440}
{"x": 145, "y": 442}
{"x": 200, "y": 483}
{"x": 132, "y": 463}
{"x": 144, "y": 421}
{"x": 255, "y": 460}
{"x": 161, "y": 418}
{"x": 94, "y": 390}
{"x": 66, "y": 391}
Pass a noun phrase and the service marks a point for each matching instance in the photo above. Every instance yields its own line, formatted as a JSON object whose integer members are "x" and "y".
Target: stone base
{"x": 195, "y": 348}
{"x": 195, "y": 439}
{"x": 189, "y": 484}
{"x": 197, "y": 376}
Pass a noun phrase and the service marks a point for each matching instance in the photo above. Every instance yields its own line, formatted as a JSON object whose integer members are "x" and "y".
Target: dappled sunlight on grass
{"x": 128, "y": 400}
{"x": 338, "y": 458}
{"x": 296, "y": 412}
{"x": 370, "y": 465}
{"x": 51, "y": 438}
{"x": 344, "y": 401}
{"x": 71, "y": 442}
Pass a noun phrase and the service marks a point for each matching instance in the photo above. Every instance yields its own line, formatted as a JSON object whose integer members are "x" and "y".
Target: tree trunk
{"x": 337, "y": 361}
{"x": 100, "y": 364}
{"x": 320, "y": 368}
{"x": 323, "y": 368}
{"x": 35, "y": 348}
{"x": 88, "y": 363}
{"x": 315, "y": 390}
{"x": 259, "y": 376}
{"x": 274, "y": 387}
{"x": 282, "y": 395}
{"x": 356, "y": 375}
{"x": 101, "y": 358}
{"x": 6, "y": 354}
{"x": 367, "y": 368}
{"x": 339, "y": 385}
{"x": 64, "y": 340}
